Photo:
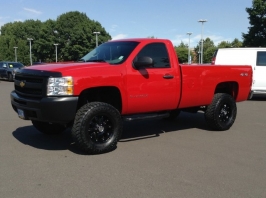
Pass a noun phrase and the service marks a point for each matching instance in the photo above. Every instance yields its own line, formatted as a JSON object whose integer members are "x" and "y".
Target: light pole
{"x": 16, "y": 54}
{"x": 189, "y": 59}
{"x": 199, "y": 55}
{"x": 201, "y": 50}
{"x": 30, "y": 39}
{"x": 56, "y": 44}
{"x": 96, "y": 33}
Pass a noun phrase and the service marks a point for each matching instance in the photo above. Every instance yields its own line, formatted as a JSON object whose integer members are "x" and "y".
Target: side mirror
{"x": 143, "y": 61}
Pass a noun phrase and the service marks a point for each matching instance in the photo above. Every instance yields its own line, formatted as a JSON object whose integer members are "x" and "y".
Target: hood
{"x": 63, "y": 67}
{"x": 14, "y": 70}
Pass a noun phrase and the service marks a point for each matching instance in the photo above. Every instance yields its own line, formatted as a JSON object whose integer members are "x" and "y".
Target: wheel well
{"x": 230, "y": 88}
{"x": 110, "y": 95}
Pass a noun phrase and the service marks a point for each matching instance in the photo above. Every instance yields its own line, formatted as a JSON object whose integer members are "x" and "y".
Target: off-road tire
{"x": 48, "y": 128}
{"x": 97, "y": 128}
{"x": 220, "y": 115}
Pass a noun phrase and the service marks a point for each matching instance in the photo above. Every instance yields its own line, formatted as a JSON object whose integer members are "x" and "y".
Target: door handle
{"x": 168, "y": 76}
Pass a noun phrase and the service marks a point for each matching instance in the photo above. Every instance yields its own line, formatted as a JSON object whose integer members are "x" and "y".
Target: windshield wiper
{"x": 96, "y": 60}
{"x": 81, "y": 60}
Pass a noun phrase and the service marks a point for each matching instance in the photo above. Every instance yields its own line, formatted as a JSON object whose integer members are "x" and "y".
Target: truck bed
{"x": 200, "y": 81}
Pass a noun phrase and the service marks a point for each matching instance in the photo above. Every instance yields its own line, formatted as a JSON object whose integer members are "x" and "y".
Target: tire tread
{"x": 78, "y": 127}
{"x": 210, "y": 114}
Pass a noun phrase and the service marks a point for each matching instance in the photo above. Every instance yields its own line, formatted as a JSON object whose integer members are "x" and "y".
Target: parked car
{"x": 8, "y": 69}
{"x": 256, "y": 57}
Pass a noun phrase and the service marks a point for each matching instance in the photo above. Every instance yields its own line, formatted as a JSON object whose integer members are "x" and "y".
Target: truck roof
{"x": 140, "y": 39}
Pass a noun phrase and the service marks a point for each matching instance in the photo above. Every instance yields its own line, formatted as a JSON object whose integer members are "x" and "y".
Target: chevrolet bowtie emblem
{"x": 22, "y": 84}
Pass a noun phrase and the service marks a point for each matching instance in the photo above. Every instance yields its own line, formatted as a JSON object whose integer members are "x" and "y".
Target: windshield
{"x": 15, "y": 65}
{"x": 111, "y": 52}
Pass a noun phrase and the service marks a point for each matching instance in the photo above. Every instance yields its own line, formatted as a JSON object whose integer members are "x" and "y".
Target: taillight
{"x": 213, "y": 60}
{"x": 214, "y": 57}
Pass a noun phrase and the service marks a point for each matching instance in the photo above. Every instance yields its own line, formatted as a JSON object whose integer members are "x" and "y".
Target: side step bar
{"x": 145, "y": 116}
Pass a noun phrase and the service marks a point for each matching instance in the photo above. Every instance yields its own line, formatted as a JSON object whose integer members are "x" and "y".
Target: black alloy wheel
{"x": 221, "y": 113}
{"x": 100, "y": 129}
{"x": 97, "y": 128}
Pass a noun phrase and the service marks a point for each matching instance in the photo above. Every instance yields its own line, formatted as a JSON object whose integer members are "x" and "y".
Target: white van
{"x": 256, "y": 57}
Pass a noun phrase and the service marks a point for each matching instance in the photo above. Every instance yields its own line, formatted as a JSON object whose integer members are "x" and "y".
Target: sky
{"x": 168, "y": 19}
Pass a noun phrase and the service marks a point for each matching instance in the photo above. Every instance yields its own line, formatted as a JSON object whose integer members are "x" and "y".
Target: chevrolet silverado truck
{"x": 123, "y": 80}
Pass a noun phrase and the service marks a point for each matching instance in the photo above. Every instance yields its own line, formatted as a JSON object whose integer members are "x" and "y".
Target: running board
{"x": 145, "y": 116}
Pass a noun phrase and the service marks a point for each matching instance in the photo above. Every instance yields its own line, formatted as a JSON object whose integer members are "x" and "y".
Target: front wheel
{"x": 221, "y": 113}
{"x": 10, "y": 77}
{"x": 48, "y": 128}
{"x": 97, "y": 128}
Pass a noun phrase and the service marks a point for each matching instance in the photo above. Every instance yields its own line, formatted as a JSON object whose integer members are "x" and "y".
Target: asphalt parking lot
{"x": 154, "y": 158}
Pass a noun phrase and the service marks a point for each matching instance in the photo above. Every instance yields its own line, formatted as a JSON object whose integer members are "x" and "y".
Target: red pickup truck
{"x": 125, "y": 80}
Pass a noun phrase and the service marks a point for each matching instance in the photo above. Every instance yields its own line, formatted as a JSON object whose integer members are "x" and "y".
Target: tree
{"x": 256, "y": 36}
{"x": 224, "y": 44}
{"x": 182, "y": 52}
{"x": 227, "y": 44}
{"x": 236, "y": 43}
{"x": 16, "y": 34}
{"x": 32, "y": 29}
{"x": 72, "y": 31}
{"x": 4, "y": 49}
{"x": 45, "y": 43}
{"x": 75, "y": 35}
{"x": 208, "y": 50}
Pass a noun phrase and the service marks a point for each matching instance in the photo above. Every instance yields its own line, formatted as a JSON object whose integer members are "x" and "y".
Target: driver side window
{"x": 158, "y": 53}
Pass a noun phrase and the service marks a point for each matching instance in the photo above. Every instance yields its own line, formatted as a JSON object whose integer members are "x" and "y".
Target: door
{"x": 2, "y": 69}
{"x": 156, "y": 87}
{"x": 259, "y": 76}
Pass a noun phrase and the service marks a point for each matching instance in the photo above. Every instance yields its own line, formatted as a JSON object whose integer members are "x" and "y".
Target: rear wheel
{"x": 48, "y": 128}
{"x": 97, "y": 128}
{"x": 221, "y": 113}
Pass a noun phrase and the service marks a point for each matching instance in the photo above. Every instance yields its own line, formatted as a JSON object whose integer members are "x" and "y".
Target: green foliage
{"x": 208, "y": 50}
{"x": 236, "y": 43}
{"x": 256, "y": 36}
{"x": 208, "y": 54}
{"x": 72, "y": 31}
{"x": 182, "y": 45}
{"x": 224, "y": 44}
{"x": 182, "y": 52}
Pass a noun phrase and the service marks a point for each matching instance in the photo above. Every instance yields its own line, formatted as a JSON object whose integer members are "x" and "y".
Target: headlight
{"x": 60, "y": 86}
